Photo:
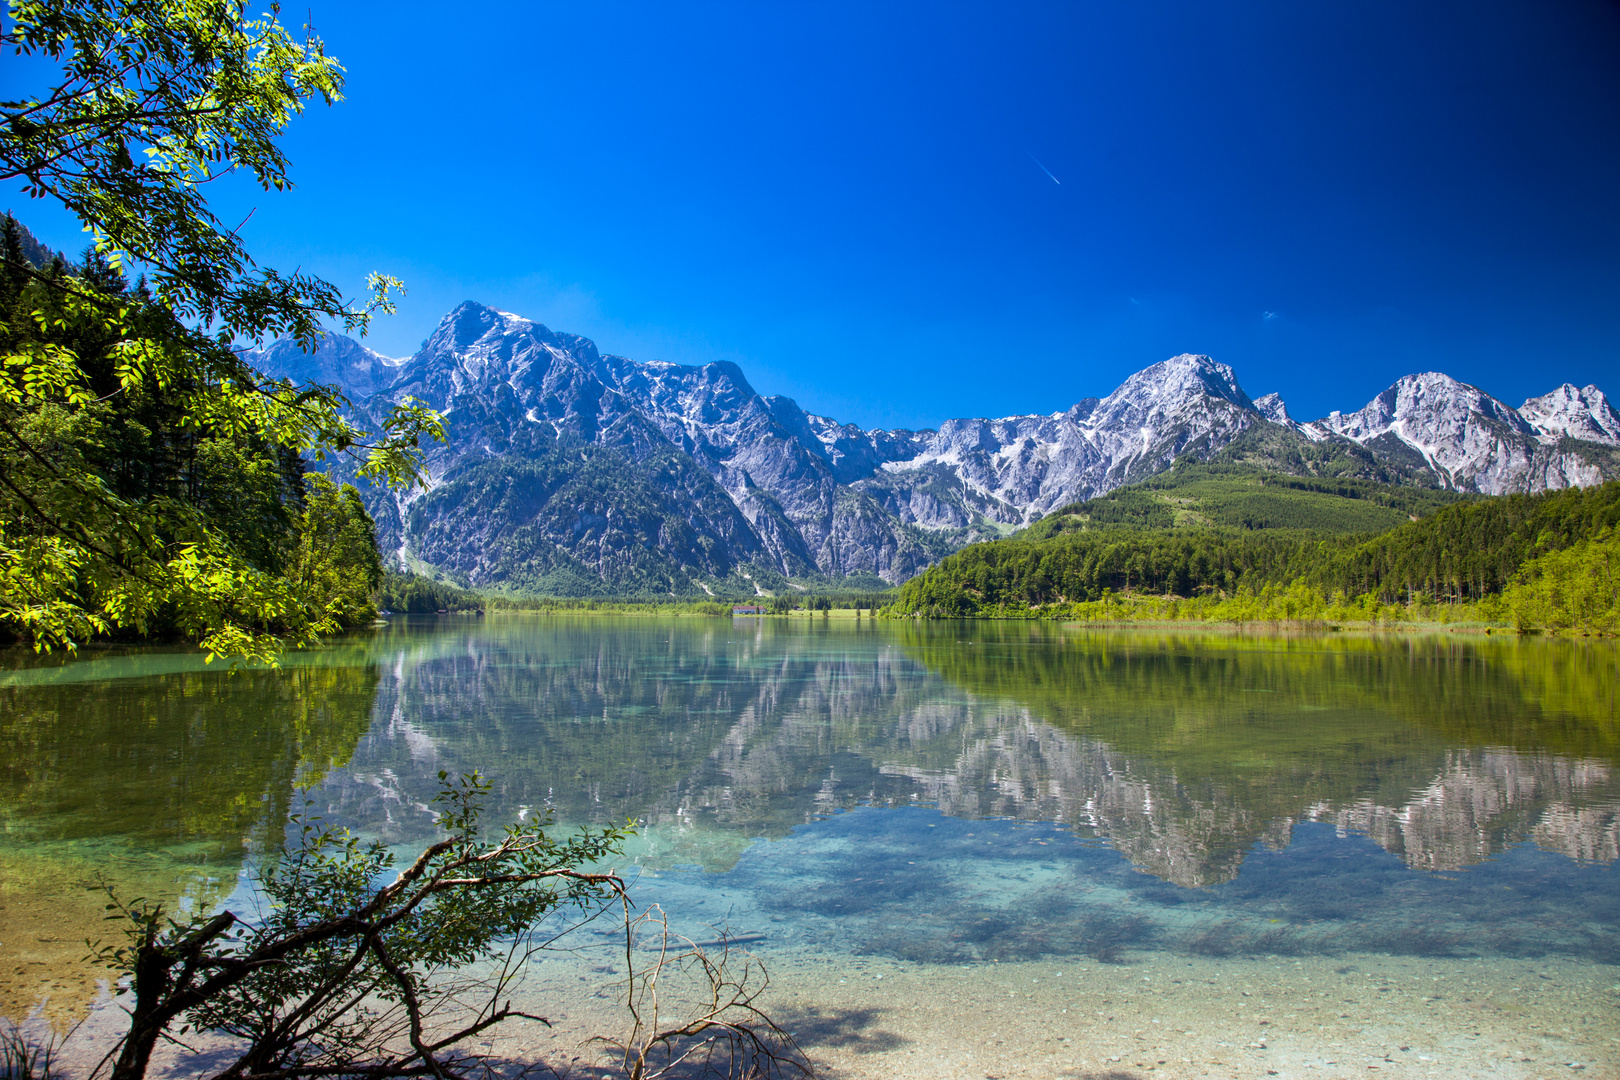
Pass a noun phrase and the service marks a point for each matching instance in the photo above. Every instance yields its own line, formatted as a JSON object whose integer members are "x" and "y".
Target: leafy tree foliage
{"x": 158, "y": 98}
{"x": 334, "y": 563}
{"x": 150, "y": 480}
{"x": 138, "y": 498}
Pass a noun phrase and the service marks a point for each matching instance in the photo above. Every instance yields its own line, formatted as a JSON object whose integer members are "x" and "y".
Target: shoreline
{"x": 866, "y": 1018}
{"x": 1276, "y": 626}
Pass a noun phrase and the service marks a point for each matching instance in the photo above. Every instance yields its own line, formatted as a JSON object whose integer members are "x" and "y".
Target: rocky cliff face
{"x": 1573, "y": 414}
{"x": 1472, "y": 442}
{"x": 575, "y": 472}
{"x": 1016, "y": 469}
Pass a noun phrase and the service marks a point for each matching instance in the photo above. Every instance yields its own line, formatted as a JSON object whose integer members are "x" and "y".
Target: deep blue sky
{"x": 844, "y": 199}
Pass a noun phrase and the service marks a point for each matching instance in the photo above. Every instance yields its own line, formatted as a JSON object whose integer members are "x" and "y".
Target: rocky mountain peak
{"x": 716, "y": 393}
{"x": 1169, "y": 405}
{"x": 1470, "y": 440}
{"x": 463, "y": 327}
{"x": 337, "y": 360}
{"x": 1576, "y": 413}
{"x": 474, "y": 328}
{"x": 1272, "y": 408}
{"x": 476, "y": 349}
{"x": 1183, "y": 377}
{"x": 1425, "y": 408}
{"x": 1081, "y": 410}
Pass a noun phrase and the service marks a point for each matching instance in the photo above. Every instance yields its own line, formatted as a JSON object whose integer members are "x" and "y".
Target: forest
{"x": 1246, "y": 498}
{"x": 1536, "y": 561}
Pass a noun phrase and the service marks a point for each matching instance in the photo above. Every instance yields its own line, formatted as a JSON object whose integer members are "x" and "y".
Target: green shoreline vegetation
{"x": 411, "y": 594}
{"x": 1531, "y": 562}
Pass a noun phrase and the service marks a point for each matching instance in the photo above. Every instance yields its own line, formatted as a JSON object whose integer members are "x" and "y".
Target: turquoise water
{"x": 960, "y": 847}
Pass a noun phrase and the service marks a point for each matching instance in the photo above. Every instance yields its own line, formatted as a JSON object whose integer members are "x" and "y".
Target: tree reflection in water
{"x": 156, "y": 785}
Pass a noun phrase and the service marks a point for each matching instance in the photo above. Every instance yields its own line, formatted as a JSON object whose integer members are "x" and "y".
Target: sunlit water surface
{"x": 962, "y": 849}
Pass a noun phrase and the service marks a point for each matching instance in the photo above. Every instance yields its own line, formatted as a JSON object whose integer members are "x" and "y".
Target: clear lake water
{"x": 963, "y": 849}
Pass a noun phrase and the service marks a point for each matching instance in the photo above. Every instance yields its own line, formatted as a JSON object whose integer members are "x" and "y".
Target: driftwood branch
{"x": 718, "y": 1019}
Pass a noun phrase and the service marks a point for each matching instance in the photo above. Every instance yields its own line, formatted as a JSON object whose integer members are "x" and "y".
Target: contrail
{"x": 1044, "y": 169}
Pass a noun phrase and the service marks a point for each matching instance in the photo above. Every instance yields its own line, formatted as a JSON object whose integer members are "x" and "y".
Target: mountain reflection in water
{"x": 1183, "y": 752}
{"x": 1187, "y": 753}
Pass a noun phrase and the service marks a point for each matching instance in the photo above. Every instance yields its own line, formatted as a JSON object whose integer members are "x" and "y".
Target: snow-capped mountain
{"x": 1016, "y": 468}
{"x": 572, "y": 471}
{"x": 1472, "y": 442}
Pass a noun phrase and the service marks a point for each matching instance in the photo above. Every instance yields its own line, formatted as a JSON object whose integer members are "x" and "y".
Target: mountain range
{"x": 572, "y": 472}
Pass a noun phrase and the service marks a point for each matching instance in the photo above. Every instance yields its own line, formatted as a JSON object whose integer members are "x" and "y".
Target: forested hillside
{"x": 1243, "y": 497}
{"x": 1131, "y": 544}
{"x": 33, "y": 251}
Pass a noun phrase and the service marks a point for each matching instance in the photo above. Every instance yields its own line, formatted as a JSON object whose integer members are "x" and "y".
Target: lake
{"x": 962, "y": 849}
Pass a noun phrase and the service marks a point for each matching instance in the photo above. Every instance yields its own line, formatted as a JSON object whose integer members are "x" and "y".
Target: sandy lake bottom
{"x": 1153, "y": 1007}
{"x": 1348, "y": 1016}
{"x": 1351, "y": 1016}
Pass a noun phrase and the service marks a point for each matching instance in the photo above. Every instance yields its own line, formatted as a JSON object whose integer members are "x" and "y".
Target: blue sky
{"x": 856, "y": 202}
